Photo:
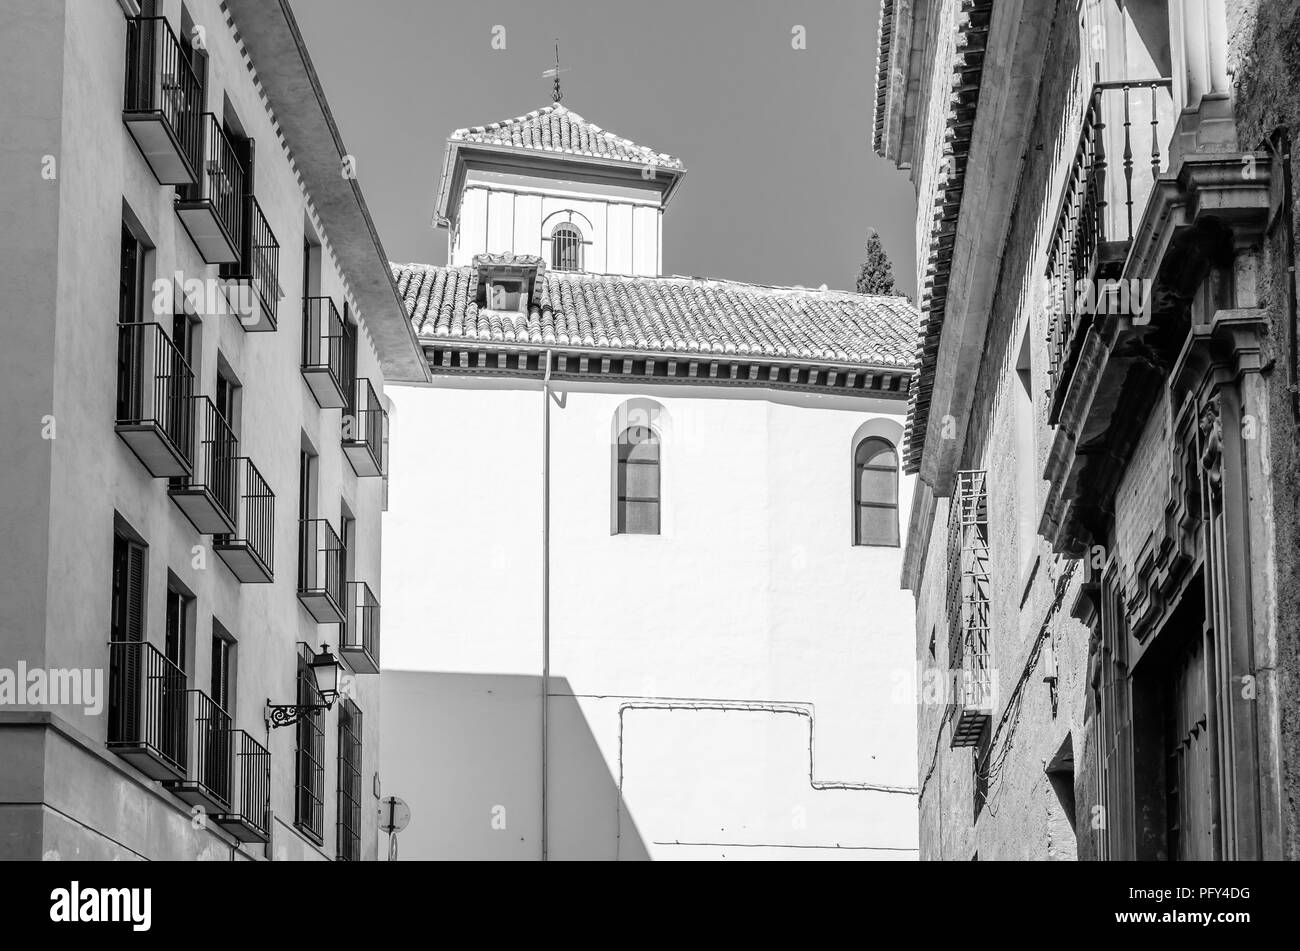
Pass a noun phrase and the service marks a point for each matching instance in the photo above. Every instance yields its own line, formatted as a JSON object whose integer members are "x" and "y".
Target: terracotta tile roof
{"x": 558, "y": 129}
{"x": 669, "y": 314}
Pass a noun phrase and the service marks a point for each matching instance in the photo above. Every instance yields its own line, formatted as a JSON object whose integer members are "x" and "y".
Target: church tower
{"x": 552, "y": 185}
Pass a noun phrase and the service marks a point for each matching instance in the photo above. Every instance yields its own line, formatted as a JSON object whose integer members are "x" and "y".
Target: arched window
{"x": 566, "y": 248}
{"x": 637, "y": 498}
{"x": 875, "y": 493}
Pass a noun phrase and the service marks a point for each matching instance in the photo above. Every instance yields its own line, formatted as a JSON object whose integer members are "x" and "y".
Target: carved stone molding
{"x": 1209, "y": 214}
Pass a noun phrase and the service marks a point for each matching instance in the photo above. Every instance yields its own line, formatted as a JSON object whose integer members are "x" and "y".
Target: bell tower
{"x": 551, "y": 184}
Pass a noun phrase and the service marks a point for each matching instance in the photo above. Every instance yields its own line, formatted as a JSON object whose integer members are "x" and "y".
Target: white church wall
{"x": 698, "y": 676}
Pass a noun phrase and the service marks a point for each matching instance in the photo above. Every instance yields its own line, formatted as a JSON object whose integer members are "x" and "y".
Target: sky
{"x": 782, "y": 186}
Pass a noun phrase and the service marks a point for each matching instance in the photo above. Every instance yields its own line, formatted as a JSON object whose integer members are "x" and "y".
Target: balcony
{"x": 146, "y": 709}
{"x": 248, "y": 817}
{"x": 212, "y": 210}
{"x": 322, "y": 352}
{"x": 321, "y": 558}
{"x": 252, "y": 284}
{"x": 969, "y": 609}
{"x": 207, "y": 494}
{"x": 249, "y": 550}
{"x": 365, "y": 430}
{"x": 1121, "y": 153}
{"x": 359, "y": 636}
{"x": 164, "y": 101}
{"x": 206, "y": 782}
{"x": 155, "y": 389}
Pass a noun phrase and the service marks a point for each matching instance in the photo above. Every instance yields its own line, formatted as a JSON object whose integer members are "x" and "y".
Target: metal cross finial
{"x": 555, "y": 74}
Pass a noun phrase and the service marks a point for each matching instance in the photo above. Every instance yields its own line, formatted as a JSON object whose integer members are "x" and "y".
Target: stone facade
{"x": 1140, "y": 573}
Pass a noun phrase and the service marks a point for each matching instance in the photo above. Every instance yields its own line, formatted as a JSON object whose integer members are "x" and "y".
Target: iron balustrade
{"x": 208, "y": 764}
{"x": 221, "y": 183}
{"x": 258, "y": 266}
{"x": 216, "y": 454}
{"x": 249, "y": 815}
{"x": 365, "y": 426}
{"x": 146, "y": 702}
{"x": 160, "y": 80}
{"x": 155, "y": 385}
{"x": 322, "y": 341}
{"x": 348, "y": 827}
{"x": 1119, "y": 157}
{"x": 321, "y": 560}
{"x": 254, "y": 515}
{"x": 969, "y": 606}
{"x": 359, "y": 636}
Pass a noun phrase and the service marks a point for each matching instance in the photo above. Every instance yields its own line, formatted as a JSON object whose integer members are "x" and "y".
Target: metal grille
{"x": 155, "y": 384}
{"x": 309, "y": 769}
{"x": 322, "y": 338}
{"x": 255, "y": 515}
{"x": 216, "y": 457}
{"x": 361, "y": 630}
{"x": 365, "y": 421}
{"x": 566, "y": 248}
{"x": 1090, "y": 225}
{"x": 321, "y": 558}
{"x": 160, "y": 79}
{"x": 969, "y": 606}
{"x": 349, "y": 793}
{"x": 250, "y": 786}
{"x": 146, "y": 701}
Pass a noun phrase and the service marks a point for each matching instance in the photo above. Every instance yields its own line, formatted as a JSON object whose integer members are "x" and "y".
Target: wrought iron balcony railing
{"x": 321, "y": 561}
{"x": 359, "y": 636}
{"x": 206, "y": 781}
{"x": 365, "y": 430}
{"x": 212, "y": 210}
{"x": 208, "y": 494}
{"x": 249, "y": 551}
{"x": 253, "y": 282}
{"x": 969, "y": 606}
{"x": 322, "y": 352}
{"x": 164, "y": 101}
{"x": 155, "y": 389}
{"x": 248, "y": 818}
{"x": 146, "y": 709}
{"x": 1122, "y": 150}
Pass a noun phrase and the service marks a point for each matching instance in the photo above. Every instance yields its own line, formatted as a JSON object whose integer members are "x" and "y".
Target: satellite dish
{"x": 394, "y": 815}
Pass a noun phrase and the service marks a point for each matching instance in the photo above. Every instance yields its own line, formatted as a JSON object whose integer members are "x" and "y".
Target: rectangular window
{"x": 349, "y": 792}
{"x": 309, "y": 761}
{"x": 128, "y": 608}
{"x": 227, "y": 396}
{"x": 306, "y": 484}
{"x": 223, "y": 649}
{"x": 177, "y": 631}
{"x": 130, "y": 278}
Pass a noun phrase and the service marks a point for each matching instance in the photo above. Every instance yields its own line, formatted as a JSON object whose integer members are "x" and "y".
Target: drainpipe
{"x": 1280, "y": 145}
{"x": 546, "y": 578}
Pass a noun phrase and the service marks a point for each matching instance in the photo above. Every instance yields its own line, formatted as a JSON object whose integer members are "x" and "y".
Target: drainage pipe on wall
{"x": 546, "y": 579}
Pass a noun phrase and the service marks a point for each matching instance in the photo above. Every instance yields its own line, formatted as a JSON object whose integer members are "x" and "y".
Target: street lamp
{"x": 324, "y": 667}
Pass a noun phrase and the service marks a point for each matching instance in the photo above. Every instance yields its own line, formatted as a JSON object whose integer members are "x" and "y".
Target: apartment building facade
{"x": 1103, "y": 425}
{"x": 200, "y": 325}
